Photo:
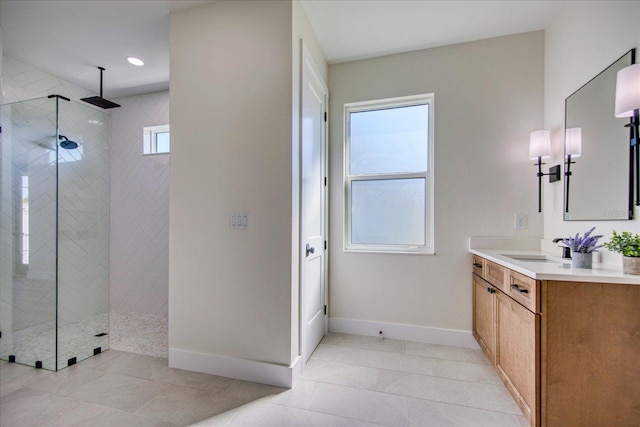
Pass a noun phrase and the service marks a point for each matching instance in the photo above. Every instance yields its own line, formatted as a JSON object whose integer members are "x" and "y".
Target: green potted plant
{"x": 628, "y": 245}
{"x": 582, "y": 248}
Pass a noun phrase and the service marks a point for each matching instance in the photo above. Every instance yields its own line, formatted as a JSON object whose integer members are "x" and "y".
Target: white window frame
{"x": 24, "y": 220}
{"x": 149, "y": 141}
{"x": 428, "y": 175}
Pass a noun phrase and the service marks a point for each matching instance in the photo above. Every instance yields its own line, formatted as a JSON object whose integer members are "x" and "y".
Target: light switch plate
{"x": 520, "y": 222}
{"x": 239, "y": 220}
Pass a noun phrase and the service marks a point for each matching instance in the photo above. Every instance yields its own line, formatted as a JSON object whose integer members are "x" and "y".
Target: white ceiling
{"x": 69, "y": 38}
{"x": 357, "y": 29}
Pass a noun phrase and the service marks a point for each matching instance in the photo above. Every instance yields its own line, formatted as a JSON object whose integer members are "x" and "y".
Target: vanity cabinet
{"x": 567, "y": 351}
{"x": 508, "y": 331}
{"x": 590, "y": 354}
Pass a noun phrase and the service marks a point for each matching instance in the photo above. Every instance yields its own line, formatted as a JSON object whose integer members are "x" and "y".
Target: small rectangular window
{"x": 388, "y": 154}
{"x": 24, "y": 232}
{"x": 156, "y": 140}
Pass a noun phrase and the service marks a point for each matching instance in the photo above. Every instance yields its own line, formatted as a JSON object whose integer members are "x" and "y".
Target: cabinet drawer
{"x": 478, "y": 265}
{"x": 495, "y": 274}
{"x": 524, "y": 290}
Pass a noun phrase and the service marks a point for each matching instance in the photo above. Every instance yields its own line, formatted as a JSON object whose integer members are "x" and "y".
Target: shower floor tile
{"x": 38, "y": 343}
{"x": 132, "y": 332}
{"x": 140, "y": 333}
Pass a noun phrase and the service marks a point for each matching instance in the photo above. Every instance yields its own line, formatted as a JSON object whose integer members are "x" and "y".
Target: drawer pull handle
{"x": 475, "y": 264}
{"x": 517, "y": 288}
{"x": 491, "y": 290}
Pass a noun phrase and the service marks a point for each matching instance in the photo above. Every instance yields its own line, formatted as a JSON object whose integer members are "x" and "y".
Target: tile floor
{"x": 349, "y": 381}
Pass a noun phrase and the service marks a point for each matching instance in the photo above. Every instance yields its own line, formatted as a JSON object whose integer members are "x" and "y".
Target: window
{"x": 24, "y": 223}
{"x": 388, "y": 152}
{"x": 156, "y": 140}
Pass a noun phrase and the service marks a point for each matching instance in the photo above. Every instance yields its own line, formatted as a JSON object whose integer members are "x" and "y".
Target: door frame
{"x": 306, "y": 58}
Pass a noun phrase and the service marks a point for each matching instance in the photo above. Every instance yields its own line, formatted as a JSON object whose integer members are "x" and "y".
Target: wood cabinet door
{"x": 484, "y": 318}
{"x": 517, "y": 354}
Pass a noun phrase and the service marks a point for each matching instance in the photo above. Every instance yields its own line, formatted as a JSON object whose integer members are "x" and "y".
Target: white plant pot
{"x": 631, "y": 265}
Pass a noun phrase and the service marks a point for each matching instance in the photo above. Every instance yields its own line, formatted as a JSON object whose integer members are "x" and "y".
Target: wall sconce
{"x": 540, "y": 148}
{"x": 627, "y": 105}
{"x": 572, "y": 149}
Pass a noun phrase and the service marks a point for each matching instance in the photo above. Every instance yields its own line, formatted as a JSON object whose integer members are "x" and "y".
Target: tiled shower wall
{"x": 30, "y": 305}
{"x": 139, "y": 208}
{"x": 21, "y": 81}
{"x": 83, "y": 207}
{"x": 139, "y": 188}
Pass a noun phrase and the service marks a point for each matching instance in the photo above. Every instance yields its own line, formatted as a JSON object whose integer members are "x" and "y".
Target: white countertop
{"x": 559, "y": 270}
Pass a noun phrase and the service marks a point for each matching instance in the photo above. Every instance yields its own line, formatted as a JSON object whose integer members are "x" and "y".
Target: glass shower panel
{"x": 28, "y": 232}
{"x": 83, "y": 234}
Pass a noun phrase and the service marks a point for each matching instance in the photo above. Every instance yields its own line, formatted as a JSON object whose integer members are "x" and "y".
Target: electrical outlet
{"x": 520, "y": 222}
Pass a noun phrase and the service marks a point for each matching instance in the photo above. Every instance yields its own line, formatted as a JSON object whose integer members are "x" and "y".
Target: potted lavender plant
{"x": 582, "y": 248}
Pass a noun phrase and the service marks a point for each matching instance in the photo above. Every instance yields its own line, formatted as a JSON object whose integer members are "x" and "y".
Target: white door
{"x": 313, "y": 213}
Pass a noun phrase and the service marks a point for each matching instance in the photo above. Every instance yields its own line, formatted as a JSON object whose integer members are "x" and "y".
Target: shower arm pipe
{"x": 101, "y": 70}
{"x": 57, "y": 97}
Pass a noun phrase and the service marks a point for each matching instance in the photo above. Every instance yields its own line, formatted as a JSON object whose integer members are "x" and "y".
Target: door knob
{"x": 310, "y": 249}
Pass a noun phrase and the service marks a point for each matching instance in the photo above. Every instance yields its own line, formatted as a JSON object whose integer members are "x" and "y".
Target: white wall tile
{"x": 21, "y": 81}
{"x": 83, "y": 211}
{"x": 139, "y": 208}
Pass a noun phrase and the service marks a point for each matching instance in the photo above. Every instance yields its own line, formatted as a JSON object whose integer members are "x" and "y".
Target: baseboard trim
{"x": 404, "y": 332}
{"x": 232, "y": 367}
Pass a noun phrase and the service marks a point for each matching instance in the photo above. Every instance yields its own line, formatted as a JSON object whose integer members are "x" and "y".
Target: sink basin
{"x": 531, "y": 258}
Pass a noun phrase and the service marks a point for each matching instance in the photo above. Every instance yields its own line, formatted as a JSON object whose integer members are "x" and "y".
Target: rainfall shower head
{"x": 67, "y": 144}
{"x": 99, "y": 101}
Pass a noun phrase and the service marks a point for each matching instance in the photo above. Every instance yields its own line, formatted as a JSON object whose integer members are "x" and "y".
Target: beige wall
{"x": 231, "y": 118}
{"x": 1, "y": 97}
{"x": 488, "y": 98}
{"x": 585, "y": 38}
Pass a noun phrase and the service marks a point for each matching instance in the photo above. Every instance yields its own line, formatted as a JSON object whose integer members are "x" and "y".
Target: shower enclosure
{"x": 54, "y": 232}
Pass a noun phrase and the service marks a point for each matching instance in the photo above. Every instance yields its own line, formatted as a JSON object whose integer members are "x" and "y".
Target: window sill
{"x": 155, "y": 154}
{"x": 403, "y": 251}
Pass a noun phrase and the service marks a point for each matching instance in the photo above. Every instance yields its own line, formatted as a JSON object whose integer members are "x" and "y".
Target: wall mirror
{"x": 597, "y": 186}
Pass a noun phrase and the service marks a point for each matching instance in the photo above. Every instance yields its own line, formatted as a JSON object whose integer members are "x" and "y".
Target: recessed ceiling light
{"x": 135, "y": 61}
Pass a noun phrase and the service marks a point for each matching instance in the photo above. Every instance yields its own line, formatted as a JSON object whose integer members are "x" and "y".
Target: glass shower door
{"x": 28, "y": 210}
{"x": 83, "y": 233}
{"x": 54, "y": 232}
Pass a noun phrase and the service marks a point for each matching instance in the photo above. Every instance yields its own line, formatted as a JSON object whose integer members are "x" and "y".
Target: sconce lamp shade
{"x": 573, "y": 142}
{"x": 539, "y": 144}
{"x": 628, "y": 91}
